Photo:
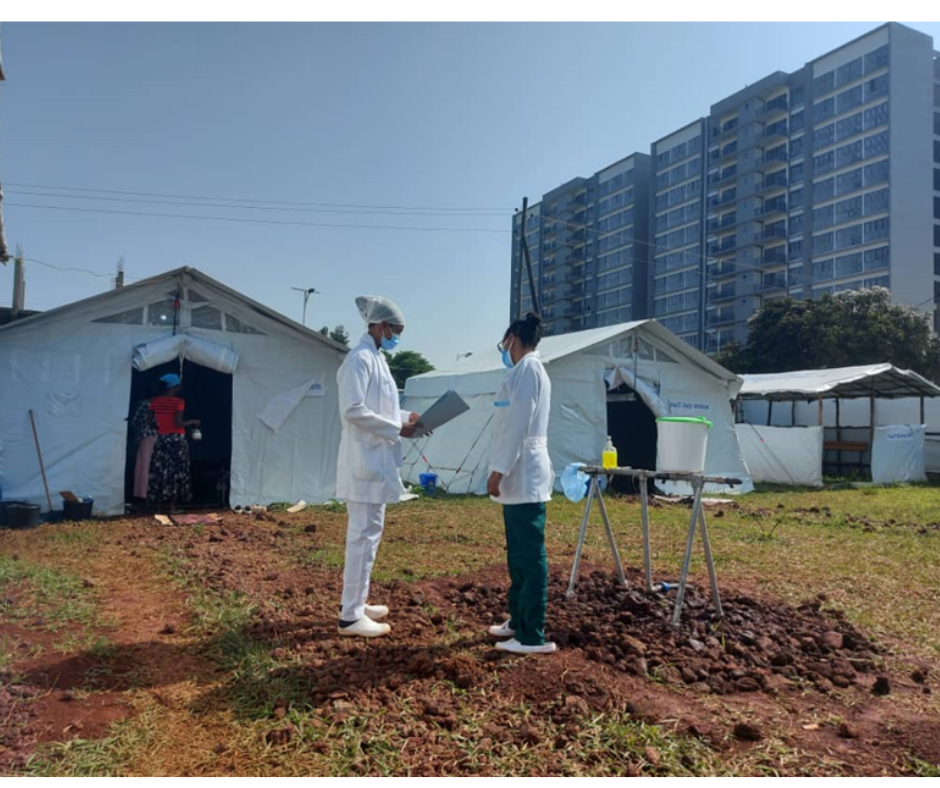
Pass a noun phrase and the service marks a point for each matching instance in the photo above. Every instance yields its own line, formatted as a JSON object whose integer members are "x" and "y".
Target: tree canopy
{"x": 847, "y": 329}
{"x": 406, "y": 364}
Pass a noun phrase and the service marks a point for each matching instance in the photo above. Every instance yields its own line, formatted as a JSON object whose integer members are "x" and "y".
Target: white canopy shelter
{"x": 262, "y": 384}
{"x": 605, "y": 381}
{"x": 837, "y": 414}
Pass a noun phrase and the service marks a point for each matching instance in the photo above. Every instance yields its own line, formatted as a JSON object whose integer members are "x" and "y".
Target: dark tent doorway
{"x": 632, "y": 427}
{"x": 208, "y": 396}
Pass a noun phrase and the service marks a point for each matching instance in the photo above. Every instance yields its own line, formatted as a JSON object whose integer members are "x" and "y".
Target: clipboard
{"x": 447, "y": 408}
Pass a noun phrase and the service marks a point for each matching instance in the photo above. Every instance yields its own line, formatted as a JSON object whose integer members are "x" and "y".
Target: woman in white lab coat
{"x": 521, "y": 479}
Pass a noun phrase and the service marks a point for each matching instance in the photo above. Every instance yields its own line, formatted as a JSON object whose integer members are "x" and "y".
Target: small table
{"x": 698, "y": 482}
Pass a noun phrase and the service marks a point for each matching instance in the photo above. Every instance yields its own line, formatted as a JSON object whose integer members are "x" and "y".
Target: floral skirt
{"x": 170, "y": 478}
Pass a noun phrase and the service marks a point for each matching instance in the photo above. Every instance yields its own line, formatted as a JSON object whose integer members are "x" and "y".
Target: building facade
{"x": 586, "y": 243}
{"x": 817, "y": 181}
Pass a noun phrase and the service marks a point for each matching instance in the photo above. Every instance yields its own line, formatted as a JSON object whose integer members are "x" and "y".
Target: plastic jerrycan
{"x": 610, "y": 454}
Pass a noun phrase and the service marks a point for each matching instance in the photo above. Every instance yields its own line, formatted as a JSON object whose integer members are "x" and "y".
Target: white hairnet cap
{"x": 378, "y": 309}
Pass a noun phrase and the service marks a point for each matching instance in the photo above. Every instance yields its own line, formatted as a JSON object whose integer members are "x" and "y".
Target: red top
{"x": 165, "y": 409}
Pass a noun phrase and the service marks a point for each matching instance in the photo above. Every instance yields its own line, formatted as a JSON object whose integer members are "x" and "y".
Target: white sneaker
{"x": 502, "y": 630}
{"x": 365, "y": 627}
{"x": 376, "y": 612}
{"x": 515, "y": 647}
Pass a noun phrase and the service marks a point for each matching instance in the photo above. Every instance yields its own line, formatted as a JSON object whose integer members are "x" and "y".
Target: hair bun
{"x": 533, "y": 319}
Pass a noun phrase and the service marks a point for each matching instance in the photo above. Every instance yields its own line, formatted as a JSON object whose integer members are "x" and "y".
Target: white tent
{"x": 262, "y": 384}
{"x": 592, "y": 373}
{"x": 871, "y": 416}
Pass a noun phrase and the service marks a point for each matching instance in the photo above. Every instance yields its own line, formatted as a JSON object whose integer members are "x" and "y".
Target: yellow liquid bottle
{"x": 610, "y": 454}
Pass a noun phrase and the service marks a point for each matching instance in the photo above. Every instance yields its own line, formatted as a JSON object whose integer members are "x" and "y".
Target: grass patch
{"x": 112, "y": 756}
{"x": 52, "y": 596}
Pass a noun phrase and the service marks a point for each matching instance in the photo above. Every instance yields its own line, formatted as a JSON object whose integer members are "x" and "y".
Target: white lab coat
{"x": 370, "y": 448}
{"x": 519, "y": 447}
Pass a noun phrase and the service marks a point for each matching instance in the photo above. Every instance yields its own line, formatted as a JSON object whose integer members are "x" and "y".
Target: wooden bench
{"x": 859, "y": 446}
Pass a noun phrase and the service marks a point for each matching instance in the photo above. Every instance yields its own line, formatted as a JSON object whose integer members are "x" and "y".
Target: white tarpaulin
{"x": 279, "y": 409}
{"x": 73, "y": 367}
{"x": 783, "y": 455}
{"x": 199, "y": 350}
{"x": 898, "y": 454}
{"x": 582, "y": 366}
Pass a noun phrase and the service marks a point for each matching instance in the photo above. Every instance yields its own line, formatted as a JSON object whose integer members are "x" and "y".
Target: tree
{"x": 339, "y": 334}
{"x": 406, "y": 364}
{"x": 848, "y": 329}
{"x": 325, "y": 331}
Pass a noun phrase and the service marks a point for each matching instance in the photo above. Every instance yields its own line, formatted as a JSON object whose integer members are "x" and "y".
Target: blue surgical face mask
{"x": 389, "y": 345}
{"x": 507, "y": 358}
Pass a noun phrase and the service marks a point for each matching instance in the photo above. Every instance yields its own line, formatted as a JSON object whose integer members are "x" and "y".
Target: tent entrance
{"x": 632, "y": 427}
{"x": 208, "y": 396}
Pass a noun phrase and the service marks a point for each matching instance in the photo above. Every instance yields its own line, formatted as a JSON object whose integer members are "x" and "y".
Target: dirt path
{"x": 67, "y": 694}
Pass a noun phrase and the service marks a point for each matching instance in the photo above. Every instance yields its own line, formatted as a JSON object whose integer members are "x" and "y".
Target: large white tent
{"x": 262, "y": 384}
{"x": 874, "y": 416}
{"x": 620, "y": 369}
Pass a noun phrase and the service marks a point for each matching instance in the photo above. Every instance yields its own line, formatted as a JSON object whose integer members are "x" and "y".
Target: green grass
{"x": 55, "y": 597}
{"x": 111, "y": 756}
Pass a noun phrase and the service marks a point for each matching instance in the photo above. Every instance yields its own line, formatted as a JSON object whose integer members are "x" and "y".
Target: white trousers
{"x": 363, "y": 535}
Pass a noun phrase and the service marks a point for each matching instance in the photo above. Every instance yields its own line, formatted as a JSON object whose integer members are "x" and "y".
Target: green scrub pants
{"x": 528, "y": 571}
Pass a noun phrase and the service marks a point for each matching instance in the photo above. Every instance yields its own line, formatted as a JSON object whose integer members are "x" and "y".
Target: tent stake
{"x": 42, "y": 467}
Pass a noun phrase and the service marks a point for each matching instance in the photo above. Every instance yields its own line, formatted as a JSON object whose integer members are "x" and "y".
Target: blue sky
{"x": 454, "y": 116}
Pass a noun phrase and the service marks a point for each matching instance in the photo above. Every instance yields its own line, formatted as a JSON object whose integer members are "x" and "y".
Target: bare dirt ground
{"x": 213, "y": 650}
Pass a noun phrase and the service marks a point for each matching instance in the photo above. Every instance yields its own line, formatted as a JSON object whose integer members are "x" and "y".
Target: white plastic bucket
{"x": 683, "y": 441}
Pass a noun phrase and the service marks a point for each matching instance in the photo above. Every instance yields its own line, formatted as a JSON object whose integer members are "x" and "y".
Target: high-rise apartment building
{"x": 587, "y": 246}
{"x": 817, "y": 181}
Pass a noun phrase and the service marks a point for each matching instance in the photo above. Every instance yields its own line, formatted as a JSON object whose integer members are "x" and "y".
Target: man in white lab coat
{"x": 370, "y": 455}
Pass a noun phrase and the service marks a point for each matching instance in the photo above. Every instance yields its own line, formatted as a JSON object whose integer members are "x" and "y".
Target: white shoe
{"x": 515, "y": 647}
{"x": 365, "y": 627}
{"x": 376, "y": 612}
{"x": 502, "y": 630}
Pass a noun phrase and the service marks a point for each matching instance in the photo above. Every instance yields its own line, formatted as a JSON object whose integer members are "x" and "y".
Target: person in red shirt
{"x": 170, "y": 479}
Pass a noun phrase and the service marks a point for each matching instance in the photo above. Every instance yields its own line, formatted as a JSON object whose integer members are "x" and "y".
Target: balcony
{"x": 728, "y": 128}
{"x": 726, "y": 221}
{"x": 727, "y": 198}
{"x": 771, "y": 282}
{"x": 777, "y": 106}
{"x": 776, "y": 133}
{"x": 772, "y": 157}
{"x": 773, "y": 182}
{"x": 721, "y": 318}
{"x": 577, "y": 238}
{"x": 724, "y": 248}
{"x": 729, "y": 151}
{"x": 720, "y": 177}
{"x": 721, "y": 270}
{"x": 574, "y": 275}
{"x": 725, "y": 292}
{"x": 772, "y": 208}
{"x": 773, "y": 233}
{"x": 773, "y": 256}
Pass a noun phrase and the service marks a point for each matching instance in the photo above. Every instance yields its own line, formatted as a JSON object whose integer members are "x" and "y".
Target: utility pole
{"x": 307, "y": 291}
{"x": 119, "y": 279}
{"x": 528, "y": 264}
{"x": 19, "y": 284}
{"x": 4, "y": 250}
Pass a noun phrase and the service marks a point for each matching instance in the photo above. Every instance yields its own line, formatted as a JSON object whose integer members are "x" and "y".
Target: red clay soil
{"x": 58, "y": 696}
{"x": 766, "y": 671}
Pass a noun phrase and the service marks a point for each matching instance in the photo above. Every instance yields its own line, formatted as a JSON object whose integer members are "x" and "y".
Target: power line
{"x": 253, "y": 207}
{"x": 73, "y": 270}
{"x": 476, "y": 211}
{"x": 249, "y": 220}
